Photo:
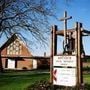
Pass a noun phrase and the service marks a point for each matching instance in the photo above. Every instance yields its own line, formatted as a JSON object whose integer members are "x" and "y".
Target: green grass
{"x": 87, "y": 78}
{"x": 20, "y": 80}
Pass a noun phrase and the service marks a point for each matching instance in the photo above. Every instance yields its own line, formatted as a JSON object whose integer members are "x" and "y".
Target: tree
{"x": 30, "y": 16}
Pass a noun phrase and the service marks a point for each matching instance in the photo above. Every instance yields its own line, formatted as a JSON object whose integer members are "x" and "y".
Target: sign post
{"x": 66, "y": 68}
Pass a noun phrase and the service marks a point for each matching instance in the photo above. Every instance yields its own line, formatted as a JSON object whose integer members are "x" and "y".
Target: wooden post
{"x": 53, "y": 50}
{"x": 79, "y": 53}
{"x": 51, "y": 57}
{"x": 76, "y": 51}
{"x": 54, "y": 40}
{"x": 78, "y": 43}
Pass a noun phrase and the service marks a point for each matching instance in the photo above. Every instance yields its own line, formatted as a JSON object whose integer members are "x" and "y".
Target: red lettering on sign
{"x": 54, "y": 75}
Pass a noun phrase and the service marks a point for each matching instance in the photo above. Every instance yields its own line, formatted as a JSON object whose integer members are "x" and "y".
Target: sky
{"x": 80, "y": 12}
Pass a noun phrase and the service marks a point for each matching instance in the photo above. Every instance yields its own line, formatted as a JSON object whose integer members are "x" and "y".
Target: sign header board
{"x": 67, "y": 61}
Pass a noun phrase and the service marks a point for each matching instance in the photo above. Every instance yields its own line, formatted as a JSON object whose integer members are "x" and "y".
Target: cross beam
{"x": 65, "y": 26}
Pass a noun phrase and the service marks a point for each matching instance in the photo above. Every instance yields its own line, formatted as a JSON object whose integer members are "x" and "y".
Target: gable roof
{"x": 9, "y": 41}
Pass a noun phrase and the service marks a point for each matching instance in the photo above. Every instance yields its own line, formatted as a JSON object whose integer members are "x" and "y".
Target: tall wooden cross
{"x": 65, "y": 26}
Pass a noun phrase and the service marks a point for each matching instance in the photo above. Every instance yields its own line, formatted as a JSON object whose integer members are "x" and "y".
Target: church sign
{"x": 68, "y": 61}
{"x": 64, "y": 70}
{"x": 64, "y": 76}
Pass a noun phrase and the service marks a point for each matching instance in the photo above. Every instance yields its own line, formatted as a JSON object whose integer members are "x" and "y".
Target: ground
{"x": 21, "y": 80}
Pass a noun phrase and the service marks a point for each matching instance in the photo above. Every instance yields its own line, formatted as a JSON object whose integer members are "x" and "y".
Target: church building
{"x": 13, "y": 53}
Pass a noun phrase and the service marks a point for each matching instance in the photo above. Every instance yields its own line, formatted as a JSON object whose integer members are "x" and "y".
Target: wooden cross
{"x": 65, "y": 26}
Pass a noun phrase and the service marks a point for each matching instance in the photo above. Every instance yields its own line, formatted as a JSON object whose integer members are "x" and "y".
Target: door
{"x": 34, "y": 64}
{"x": 11, "y": 63}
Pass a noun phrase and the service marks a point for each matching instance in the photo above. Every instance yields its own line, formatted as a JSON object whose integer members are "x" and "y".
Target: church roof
{"x": 9, "y": 41}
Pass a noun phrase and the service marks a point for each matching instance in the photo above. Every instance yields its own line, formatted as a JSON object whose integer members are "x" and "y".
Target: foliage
{"x": 40, "y": 85}
{"x": 87, "y": 69}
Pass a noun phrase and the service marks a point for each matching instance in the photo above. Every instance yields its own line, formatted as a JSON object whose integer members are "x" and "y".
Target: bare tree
{"x": 29, "y": 15}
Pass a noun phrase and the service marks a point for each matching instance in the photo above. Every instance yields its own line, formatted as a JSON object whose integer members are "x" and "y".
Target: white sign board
{"x": 64, "y": 76}
{"x": 68, "y": 61}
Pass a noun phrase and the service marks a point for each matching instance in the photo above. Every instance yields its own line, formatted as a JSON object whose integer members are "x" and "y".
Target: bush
{"x": 41, "y": 85}
{"x": 86, "y": 69}
{"x": 43, "y": 67}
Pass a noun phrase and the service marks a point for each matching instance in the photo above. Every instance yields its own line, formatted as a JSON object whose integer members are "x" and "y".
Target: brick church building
{"x": 12, "y": 53}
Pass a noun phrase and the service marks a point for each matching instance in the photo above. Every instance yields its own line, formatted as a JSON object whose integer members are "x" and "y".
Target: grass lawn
{"x": 87, "y": 78}
{"x": 20, "y": 80}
